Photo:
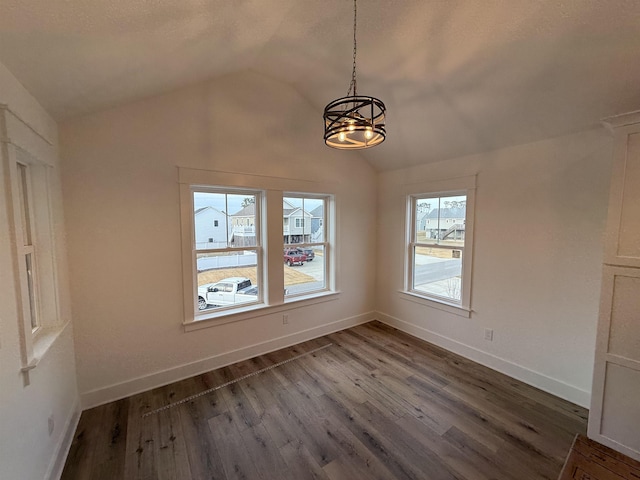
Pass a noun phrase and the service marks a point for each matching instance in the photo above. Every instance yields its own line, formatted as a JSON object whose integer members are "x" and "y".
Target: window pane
{"x": 303, "y": 220}
{"x": 226, "y": 279}
{"x": 210, "y": 220}
{"x": 215, "y": 227}
{"x": 423, "y": 217}
{"x": 243, "y": 220}
{"x": 31, "y": 290}
{"x": 441, "y": 220}
{"x": 438, "y": 271}
{"x": 25, "y": 208}
{"x": 304, "y": 269}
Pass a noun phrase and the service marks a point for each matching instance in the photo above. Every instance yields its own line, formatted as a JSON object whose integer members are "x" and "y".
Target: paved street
{"x": 441, "y": 269}
{"x": 315, "y": 269}
{"x": 428, "y": 270}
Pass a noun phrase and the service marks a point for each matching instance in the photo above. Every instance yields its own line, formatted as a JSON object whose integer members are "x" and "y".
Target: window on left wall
{"x": 34, "y": 246}
{"x": 27, "y": 248}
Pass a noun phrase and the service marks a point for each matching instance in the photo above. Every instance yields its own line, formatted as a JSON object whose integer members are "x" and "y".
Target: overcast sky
{"x": 234, "y": 202}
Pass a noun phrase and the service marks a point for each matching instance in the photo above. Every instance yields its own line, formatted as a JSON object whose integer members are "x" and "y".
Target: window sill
{"x": 253, "y": 311}
{"x": 437, "y": 304}
{"x": 42, "y": 343}
{"x": 309, "y": 296}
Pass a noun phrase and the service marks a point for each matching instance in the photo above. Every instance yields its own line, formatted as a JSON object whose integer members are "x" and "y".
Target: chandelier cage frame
{"x": 355, "y": 121}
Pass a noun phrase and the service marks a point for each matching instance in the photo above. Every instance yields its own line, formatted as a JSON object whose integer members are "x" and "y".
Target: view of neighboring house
{"x": 210, "y": 228}
{"x": 297, "y": 225}
{"x": 443, "y": 223}
{"x": 243, "y": 228}
{"x": 317, "y": 219}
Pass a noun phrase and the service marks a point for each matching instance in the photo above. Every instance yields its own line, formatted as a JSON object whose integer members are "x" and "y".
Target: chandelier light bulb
{"x": 368, "y": 133}
{"x": 342, "y": 136}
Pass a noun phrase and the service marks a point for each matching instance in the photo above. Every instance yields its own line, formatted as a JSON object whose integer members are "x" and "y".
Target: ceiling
{"x": 457, "y": 76}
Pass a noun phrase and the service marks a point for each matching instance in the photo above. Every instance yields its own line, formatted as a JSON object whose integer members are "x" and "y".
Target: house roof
{"x": 318, "y": 211}
{"x": 297, "y": 211}
{"x": 446, "y": 213}
{"x": 249, "y": 210}
{"x": 202, "y": 209}
{"x": 457, "y": 77}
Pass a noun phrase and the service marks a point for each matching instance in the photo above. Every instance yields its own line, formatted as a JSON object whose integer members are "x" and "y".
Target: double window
{"x": 440, "y": 234}
{"x": 271, "y": 247}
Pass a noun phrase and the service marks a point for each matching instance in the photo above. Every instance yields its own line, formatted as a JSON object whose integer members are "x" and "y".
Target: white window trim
{"x": 328, "y": 205}
{"x": 21, "y": 144}
{"x": 194, "y": 252}
{"x": 247, "y": 313}
{"x": 272, "y": 232}
{"x": 455, "y": 186}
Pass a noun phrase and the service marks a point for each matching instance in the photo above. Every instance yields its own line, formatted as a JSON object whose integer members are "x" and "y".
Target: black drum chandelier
{"x": 355, "y": 121}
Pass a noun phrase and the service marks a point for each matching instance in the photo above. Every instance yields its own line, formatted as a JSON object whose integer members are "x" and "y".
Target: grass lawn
{"x": 292, "y": 276}
{"x": 437, "y": 252}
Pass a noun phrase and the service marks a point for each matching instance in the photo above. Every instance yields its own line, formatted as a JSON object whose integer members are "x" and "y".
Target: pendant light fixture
{"x": 355, "y": 121}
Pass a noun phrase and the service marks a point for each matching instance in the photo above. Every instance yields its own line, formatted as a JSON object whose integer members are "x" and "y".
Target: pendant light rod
{"x": 354, "y": 80}
{"x": 355, "y": 121}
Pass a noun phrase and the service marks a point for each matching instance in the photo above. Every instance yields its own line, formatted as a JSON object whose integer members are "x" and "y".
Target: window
{"x": 305, "y": 265}
{"x": 35, "y": 268}
{"x": 28, "y": 249}
{"x": 231, "y": 272}
{"x": 228, "y": 267}
{"x": 438, "y": 247}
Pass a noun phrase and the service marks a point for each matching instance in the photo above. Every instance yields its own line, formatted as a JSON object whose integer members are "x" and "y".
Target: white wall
{"x": 121, "y": 190}
{"x": 26, "y": 449}
{"x": 540, "y": 215}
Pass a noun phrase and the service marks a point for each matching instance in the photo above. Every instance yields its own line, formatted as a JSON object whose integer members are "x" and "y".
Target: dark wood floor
{"x": 376, "y": 404}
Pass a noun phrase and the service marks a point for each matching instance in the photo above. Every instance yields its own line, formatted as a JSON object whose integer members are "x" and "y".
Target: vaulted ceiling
{"x": 457, "y": 76}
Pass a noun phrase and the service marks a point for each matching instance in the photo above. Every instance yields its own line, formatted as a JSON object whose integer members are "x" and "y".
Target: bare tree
{"x": 424, "y": 207}
{"x": 453, "y": 287}
{"x": 248, "y": 201}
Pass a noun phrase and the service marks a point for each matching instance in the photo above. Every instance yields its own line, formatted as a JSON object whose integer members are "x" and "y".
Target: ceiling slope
{"x": 458, "y": 77}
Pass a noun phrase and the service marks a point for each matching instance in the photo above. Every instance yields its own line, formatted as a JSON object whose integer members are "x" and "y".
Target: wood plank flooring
{"x": 375, "y": 404}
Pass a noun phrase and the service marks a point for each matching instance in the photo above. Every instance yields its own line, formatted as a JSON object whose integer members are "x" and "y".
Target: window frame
{"x": 328, "y": 200}
{"x": 438, "y": 189}
{"x": 27, "y": 248}
{"x": 274, "y": 189}
{"x": 36, "y": 292}
{"x": 259, "y": 201}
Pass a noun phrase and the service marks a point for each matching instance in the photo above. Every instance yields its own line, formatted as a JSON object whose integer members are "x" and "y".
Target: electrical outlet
{"x": 285, "y": 319}
{"x": 488, "y": 334}
{"x": 51, "y": 423}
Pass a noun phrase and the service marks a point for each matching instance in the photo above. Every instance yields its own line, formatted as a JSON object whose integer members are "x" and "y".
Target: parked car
{"x": 294, "y": 256}
{"x": 308, "y": 252}
{"x": 228, "y": 291}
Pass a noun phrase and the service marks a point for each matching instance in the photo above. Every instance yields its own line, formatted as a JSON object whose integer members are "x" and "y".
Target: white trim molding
{"x": 530, "y": 377}
{"x": 117, "y": 391}
{"x": 54, "y": 472}
{"x": 461, "y": 186}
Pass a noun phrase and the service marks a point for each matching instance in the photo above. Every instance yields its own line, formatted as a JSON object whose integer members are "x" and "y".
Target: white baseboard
{"x": 54, "y": 472}
{"x": 117, "y": 391}
{"x": 536, "y": 379}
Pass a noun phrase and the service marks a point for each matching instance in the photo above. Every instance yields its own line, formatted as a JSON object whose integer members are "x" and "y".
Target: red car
{"x": 293, "y": 256}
